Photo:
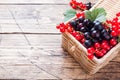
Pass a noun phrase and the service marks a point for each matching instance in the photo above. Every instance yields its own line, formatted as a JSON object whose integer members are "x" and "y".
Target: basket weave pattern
{"x": 79, "y": 52}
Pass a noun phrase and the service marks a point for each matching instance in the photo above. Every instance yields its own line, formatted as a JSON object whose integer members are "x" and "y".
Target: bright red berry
{"x": 104, "y": 51}
{"x": 99, "y": 54}
{"x": 118, "y": 14}
{"x": 91, "y": 50}
{"x": 78, "y": 37}
{"x": 113, "y": 42}
{"x": 58, "y": 26}
{"x": 118, "y": 31}
{"x": 69, "y": 29}
{"x": 83, "y": 7}
{"x": 108, "y": 48}
{"x": 83, "y": 40}
{"x": 90, "y": 56}
{"x": 109, "y": 21}
{"x": 114, "y": 28}
{"x": 115, "y": 19}
{"x": 114, "y": 33}
{"x": 62, "y": 29}
{"x": 97, "y": 45}
{"x": 74, "y": 6}
{"x": 74, "y": 33}
{"x": 104, "y": 45}
{"x": 80, "y": 14}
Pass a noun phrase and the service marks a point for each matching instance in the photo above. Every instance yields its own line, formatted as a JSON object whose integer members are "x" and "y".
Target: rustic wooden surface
{"x": 30, "y": 46}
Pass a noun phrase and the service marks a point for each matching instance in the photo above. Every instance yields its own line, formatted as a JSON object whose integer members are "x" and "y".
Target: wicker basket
{"x": 79, "y": 52}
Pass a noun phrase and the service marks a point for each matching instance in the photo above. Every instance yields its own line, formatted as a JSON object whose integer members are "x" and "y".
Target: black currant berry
{"x": 87, "y": 35}
{"x": 88, "y": 43}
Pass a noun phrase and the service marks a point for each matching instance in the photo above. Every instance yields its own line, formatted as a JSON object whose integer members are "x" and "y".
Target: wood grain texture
{"x": 30, "y": 46}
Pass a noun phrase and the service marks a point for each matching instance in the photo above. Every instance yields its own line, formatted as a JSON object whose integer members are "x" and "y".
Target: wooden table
{"x": 30, "y": 46}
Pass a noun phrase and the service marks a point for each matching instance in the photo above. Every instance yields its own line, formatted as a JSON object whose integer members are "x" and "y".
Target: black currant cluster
{"x": 93, "y": 31}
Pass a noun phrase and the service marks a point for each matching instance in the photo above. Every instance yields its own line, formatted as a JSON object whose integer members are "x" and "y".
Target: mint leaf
{"x": 69, "y": 14}
{"x": 96, "y": 14}
{"x": 88, "y": 15}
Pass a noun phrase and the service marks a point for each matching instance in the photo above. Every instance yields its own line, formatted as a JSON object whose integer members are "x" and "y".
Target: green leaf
{"x": 118, "y": 39}
{"x": 69, "y": 14}
{"x": 96, "y": 14}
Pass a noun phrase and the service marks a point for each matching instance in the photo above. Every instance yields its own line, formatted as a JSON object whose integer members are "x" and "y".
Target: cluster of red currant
{"x": 100, "y": 49}
{"x": 79, "y": 5}
{"x": 97, "y": 37}
{"x": 64, "y": 27}
{"x": 115, "y": 29}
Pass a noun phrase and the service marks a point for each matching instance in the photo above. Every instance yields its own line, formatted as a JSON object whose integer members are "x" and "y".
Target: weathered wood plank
{"x": 31, "y": 19}
{"x": 13, "y": 40}
{"x": 39, "y": 56}
{"x": 54, "y": 60}
{"x": 40, "y": 1}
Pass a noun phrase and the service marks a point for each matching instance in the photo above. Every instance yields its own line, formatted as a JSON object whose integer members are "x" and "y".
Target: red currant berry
{"x": 69, "y": 29}
{"x": 104, "y": 51}
{"x": 114, "y": 27}
{"x": 83, "y": 40}
{"x": 58, "y": 26}
{"x": 99, "y": 54}
{"x": 108, "y": 48}
{"x": 91, "y": 50}
{"x": 114, "y": 33}
{"x": 78, "y": 37}
{"x": 78, "y": 15}
{"x": 104, "y": 45}
{"x": 109, "y": 21}
{"x": 97, "y": 45}
{"x": 118, "y": 14}
{"x": 62, "y": 29}
{"x": 74, "y": 6}
{"x": 113, "y": 42}
{"x": 118, "y": 31}
{"x": 62, "y": 24}
{"x": 115, "y": 19}
{"x": 84, "y": 7}
{"x": 74, "y": 33}
{"x": 90, "y": 56}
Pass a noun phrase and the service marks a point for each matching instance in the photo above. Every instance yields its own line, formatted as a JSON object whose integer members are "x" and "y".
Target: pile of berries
{"x": 97, "y": 37}
{"x": 79, "y": 5}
